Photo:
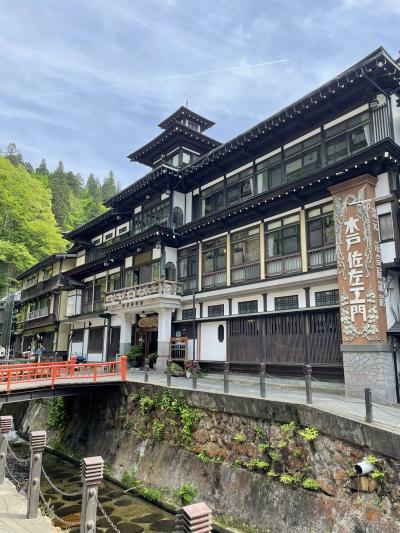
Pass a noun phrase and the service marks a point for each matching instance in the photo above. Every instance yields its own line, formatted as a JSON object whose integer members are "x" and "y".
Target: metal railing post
{"x": 6, "y": 423}
{"x": 307, "y": 377}
{"x": 146, "y": 373}
{"x": 168, "y": 373}
{"x": 194, "y": 376}
{"x": 368, "y": 406}
{"x": 262, "y": 380}
{"x": 38, "y": 441}
{"x": 226, "y": 377}
{"x": 92, "y": 476}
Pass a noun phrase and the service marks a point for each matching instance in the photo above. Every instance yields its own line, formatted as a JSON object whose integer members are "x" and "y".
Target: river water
{"x": 129, "y": 513}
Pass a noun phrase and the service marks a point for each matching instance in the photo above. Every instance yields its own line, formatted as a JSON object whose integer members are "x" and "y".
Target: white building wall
{"x": 272, "y": 295}
{"x": 382, "y": 187}
{"x": 188, "y": 207}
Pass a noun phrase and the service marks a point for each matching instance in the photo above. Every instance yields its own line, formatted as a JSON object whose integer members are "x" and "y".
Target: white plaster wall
{"x": 210, "y": 347}
{"x": 271, "y": 302}
{"x": 171, "y": 255}
{"x": 384, "y": 208}
{"x": 392, "y": 296}
{"x": 320, "y": 288}
{"x": 396, "y": 118}
{"x": 382, "y": 187}
{"x": 188, "y": 207}
{"x": 247, "y": 298}
{"x": 178, "y": 200}
{"x": 388, "y": 252}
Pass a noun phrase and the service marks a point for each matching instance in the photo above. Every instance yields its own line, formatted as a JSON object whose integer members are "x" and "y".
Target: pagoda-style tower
{"x": 181, "y": 142}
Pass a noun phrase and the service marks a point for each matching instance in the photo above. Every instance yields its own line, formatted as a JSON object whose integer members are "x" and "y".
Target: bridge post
{"x": 92, "y": 475}
{"x": 5, "y": 426}
{"x": 123, "y": 359}
{"x": 53, "y": 375}
{"x": 72, "y": 362}
{"x": 38, "y": 441}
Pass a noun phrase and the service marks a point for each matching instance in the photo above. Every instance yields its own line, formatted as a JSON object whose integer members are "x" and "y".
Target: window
{"x": 174, "y": 159}
{"x": 157, "y": 214}
{"x": 347, "y": 138}
{"x": 114, "y": 281}
{"x": 303, "y": 158}
{"x": 99, "y": 293}
{"x": 187, "y": 262}
{"x": 131, "y": 277}
{"x": 221, "y": 333}
{"x": 248, "y": 307}
{"x": 87, "y": 297}
{"x": 214, "y": 255}
{"x": 213, "y": 199}
{"x": 385, "y": 227}
{"x": 320, "y": 226}
{"x": 239, "y": 187}
{"x": 245, "y": 247}
{"x": 283, "y": 303}
{"x": 48, "y": 272}
{"x": 177, "y": 217}
{"x": 122, "y": 230}
{"x": 188, "y": 314}
{"x": 95, "y": 242}
{"x": 108, "y": 236}
{"x": 95, "y": 343}
{"x": 327, "y": 298}
{"x": 216, "y": 310}
{"x": 269, "y": 173}
{"x": 283, "y": 237}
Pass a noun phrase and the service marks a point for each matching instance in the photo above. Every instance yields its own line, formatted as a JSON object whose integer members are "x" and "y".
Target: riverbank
{"x": 272, "y": 465}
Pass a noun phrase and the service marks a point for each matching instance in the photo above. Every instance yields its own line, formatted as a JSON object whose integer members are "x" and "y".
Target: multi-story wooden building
{"x": 288, "y": 236}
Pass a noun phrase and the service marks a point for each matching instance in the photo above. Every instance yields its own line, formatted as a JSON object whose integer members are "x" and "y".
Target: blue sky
{"x": 87, "y": 81}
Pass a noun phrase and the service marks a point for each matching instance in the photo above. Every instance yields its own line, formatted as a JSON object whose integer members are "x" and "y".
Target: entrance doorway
{"x": 147, "y": 334}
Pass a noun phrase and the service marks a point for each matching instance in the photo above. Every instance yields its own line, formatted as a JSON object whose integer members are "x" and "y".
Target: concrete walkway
{"x": 327, "y": 395}
{"x": 13, "y": 514}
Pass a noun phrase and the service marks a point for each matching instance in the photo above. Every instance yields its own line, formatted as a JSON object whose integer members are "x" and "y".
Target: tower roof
{"x": 184, "y": 113}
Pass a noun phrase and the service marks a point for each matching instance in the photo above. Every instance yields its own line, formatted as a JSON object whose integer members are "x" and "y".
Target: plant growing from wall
{"x": 239, "y": 437}
{"x": 57, "y": 417}
{"x": 257, "y": 464}
{"x": 310, "y": 484}
{"x": 203, "y": 457}
{"x": 186, "y": 493}
{"x": 259, "y": 431}
{"x": 158, "y": 429}
{"x": 262, "y": 448}
{"x": 309, "y": 433}
{"x": 146, "y": 403}
{"x": 275, "y": 455}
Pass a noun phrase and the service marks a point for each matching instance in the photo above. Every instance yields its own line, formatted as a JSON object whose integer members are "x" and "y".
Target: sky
{"x": 87, "y": 81}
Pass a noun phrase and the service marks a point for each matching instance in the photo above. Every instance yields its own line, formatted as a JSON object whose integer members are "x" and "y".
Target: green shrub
{"x": 146, "y": 403}
{"x": 309, "y": 433}
{"x": 217, "y": 460}
{"x": 297, "y": 452}
{"x": 203, "y": 457}
{"x": 310, "y": 484}
{"x": 186, "y": 494}
{"x": 288, "y": 479}
{"x": 57, "y": 415}
{"x": 259, "y": 431}
{"x": 262, "y": 448}
{"x": 158, "y": 429}
{"x": 378, "y": 476}
{"x": 290, "y": 427}
{"x": 257, "y": 464}
{"x": 371, "y": 459}
{"x": 275, "y": 456}
{"x": 272, "y": 473}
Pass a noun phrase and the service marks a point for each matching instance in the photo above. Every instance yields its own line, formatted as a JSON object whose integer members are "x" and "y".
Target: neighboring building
{"x": 276, "y": 231}
{"x": 43, "y": 305}
{"x": 9, "y": 337}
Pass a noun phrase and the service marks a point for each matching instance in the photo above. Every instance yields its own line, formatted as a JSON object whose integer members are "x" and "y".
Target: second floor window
{"x": 320, "y": 226}
{"x": 385, "y": 227}
{"x": 269, "y": 173}
{"x": 214, "y": 255}
{"x": 87, "y": 298}
{"x": 303, "y": 158}
{"x": 283, "y": 237}
{"x": 187, "y": 262}
{"x": 245, "y": 247}
{"x": 114, "y": 281}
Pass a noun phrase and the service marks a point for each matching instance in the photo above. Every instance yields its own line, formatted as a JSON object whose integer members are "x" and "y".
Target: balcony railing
{"x": 214, "y": 279}
{"x": 157, "y": 289}
{"x": 322, "y": 257}
{"x": 40, "y": 288}
{"x": 287, "y": 264}
{"x": 38, "y": 313}
{"x": 244, "y": 273}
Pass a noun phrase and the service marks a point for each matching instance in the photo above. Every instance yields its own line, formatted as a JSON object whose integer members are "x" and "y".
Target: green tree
{"x": 13, "y": 155}
{"x": 110, "y": 186}
{"x": 28, "y": 230}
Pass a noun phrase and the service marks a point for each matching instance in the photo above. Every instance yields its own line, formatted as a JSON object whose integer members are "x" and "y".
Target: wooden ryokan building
{"x": 287, "y": 234}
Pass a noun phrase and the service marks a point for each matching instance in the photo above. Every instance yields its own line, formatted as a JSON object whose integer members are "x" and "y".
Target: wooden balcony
{"x": 39, "y": 288}
{"x": 38, "y": 313}
{"x": 245, "y": 273}
{"x": 146, "y": 296}
{"x": 322, "y": 257}
{"x": 287, "y": 264}
{"x": 214, "y": 279}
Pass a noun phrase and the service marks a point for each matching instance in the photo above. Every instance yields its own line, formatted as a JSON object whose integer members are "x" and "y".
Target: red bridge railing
{"x": 61, "y": 371}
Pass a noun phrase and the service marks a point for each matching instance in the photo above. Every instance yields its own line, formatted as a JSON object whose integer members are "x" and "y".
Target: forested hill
{"x": 37, "y": 205}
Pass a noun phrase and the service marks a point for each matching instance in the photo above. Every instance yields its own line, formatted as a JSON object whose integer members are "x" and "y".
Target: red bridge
{"x": 28, "y": 381}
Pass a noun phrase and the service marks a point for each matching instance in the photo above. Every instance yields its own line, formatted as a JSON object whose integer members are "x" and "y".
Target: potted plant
{"x": 153, "y": 359}
{"x": 134, "y": 355}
